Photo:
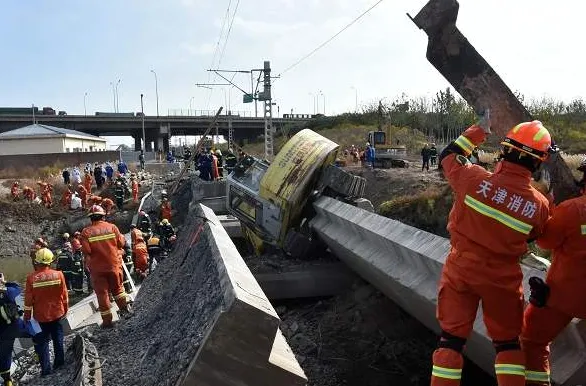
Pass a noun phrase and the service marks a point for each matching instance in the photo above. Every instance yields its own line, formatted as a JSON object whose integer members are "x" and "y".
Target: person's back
{"x": 100, "y": 243}
{"x": 519, "y": 211}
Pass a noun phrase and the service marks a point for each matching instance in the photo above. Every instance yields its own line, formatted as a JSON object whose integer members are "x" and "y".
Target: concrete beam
{"x": 240, "y": 346}
{"x": 405, "y": 264}
{"x": 231, "y": 224}
{"x": 307, "y": 281}
{"x": 211, "y": 194}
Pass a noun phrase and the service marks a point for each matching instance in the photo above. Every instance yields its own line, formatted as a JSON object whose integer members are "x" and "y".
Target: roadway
{"x": 155, "y": 127}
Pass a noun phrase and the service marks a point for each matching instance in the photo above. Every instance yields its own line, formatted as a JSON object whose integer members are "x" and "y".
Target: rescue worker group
{"x": 93, "y": 256}
{"x": 494, "y": 218}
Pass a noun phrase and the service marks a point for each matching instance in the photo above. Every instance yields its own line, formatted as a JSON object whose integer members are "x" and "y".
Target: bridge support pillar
{"x": 137, "y": 142}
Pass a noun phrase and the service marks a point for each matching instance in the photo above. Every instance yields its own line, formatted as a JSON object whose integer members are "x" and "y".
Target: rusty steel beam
{"x": 475, "y": 80}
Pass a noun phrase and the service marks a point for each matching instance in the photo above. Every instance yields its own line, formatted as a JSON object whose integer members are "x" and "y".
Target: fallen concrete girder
{"x": 405, "y": 264}
{"x": 308, "y": 281}
{"x": 210, "y": 193}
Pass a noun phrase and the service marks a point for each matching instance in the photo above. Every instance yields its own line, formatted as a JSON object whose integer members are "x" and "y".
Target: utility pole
{"x": 268, "y": 111}
{"x": 113, "y": 95}
{"x": 142, "y": 118}
{"x": 117, "y": 97}
{"x": 33, "y": 109}
{"x": 230, "y": 132}
{"x": 156, "y": 90}
{"x": 84, "y": 107}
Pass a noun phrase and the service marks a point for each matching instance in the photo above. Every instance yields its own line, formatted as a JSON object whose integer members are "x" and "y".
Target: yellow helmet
{"x": 153, "y": 241}
{"x": 164, "y": 221}
{"x": 44, "y": 256}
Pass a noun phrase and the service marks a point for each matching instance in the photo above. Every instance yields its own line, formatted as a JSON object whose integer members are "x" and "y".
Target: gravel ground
{"x": 155, "y": 347}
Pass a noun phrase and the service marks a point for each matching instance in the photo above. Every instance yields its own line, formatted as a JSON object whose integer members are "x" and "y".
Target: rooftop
{"x": 38, "y": 130}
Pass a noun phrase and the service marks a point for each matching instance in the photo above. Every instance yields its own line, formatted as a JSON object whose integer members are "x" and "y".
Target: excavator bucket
{"x": 457, "y": 60}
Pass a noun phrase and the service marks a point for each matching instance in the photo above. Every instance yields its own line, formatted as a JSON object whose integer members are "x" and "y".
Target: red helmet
{"x": 531, "y": 138}
{"x": 97, "y": 210}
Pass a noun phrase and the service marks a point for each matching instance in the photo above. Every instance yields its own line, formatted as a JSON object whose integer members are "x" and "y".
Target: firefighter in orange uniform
{"x": 46, "y": 299}
{"x": 66, "y": 197}
{"x": 101, "y": 243}
{"x": 15, "y": 191}
{"x": 555, "y": 302}
{"x": 493, "y": 216}
{"x": 140, "y": 252}
{"x": 107, "y": 204}
{"x": 134, "y": 188}
{"x": 82, "y": 195}
{"x": 29, "y": 193}
{"x": 47, "y": 195}
{"x": 87, "y": 182}
{"x": 165, "y": 209}
{"x": 94, "y": 200}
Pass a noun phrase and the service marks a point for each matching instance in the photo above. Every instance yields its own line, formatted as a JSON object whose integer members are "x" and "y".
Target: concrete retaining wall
{"x": 405, "y": 264}
{"x": 11, "y": 165}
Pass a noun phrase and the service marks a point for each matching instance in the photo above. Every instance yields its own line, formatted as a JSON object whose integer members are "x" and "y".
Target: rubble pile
{"x": 174, "y": 308}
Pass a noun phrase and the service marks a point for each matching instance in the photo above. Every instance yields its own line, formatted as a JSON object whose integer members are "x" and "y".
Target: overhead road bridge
{"x": 159, "y": 129}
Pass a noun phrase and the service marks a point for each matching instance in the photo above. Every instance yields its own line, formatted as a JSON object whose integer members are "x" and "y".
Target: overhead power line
{"x": 228, "y": 33}
{"x": 332, "y": 38}
{"x": 217, "y": 48}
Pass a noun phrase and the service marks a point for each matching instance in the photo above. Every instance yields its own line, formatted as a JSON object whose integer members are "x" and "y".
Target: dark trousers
{"x": 6, "y": 347}
{"x": 88, "y": 280}
{"x": 425, "y": 164}
{"x": 51, "y": 331}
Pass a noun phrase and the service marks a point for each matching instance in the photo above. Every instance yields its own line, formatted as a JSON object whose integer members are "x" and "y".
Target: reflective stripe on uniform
{"x": 583, "y": 229}
{"x": 5, "y": 372}
{"x": 509, "y": 369}
{"x": 107, "y": 312}
{"x": 107, "y": 236}
{"x": 497, "y": 215}
{"x": 4, "y": 315}
{"x": 120, "y": 295}
{"x": 46, "y": 283}
{"x": 444, "y": 372}
{"x": 537, "y": 376}
{"x": 465, "y": 144}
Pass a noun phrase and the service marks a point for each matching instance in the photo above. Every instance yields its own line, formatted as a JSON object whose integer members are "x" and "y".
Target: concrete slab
{"x": 307, "y": 281}
{"x": 238, "y": 345}
{"x": 162, "y": 168}
{"x": 210, "y": 193}
{"x": 231, "y": 224}
{"x": 405, "y": 263}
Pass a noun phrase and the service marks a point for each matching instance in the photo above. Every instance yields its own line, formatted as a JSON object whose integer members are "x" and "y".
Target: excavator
{"x": 273, "y": 201}
{"x": 387, "y": 154}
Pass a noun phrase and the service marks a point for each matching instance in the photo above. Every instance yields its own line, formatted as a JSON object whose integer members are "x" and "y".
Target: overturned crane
{"x": 457, "y": 60}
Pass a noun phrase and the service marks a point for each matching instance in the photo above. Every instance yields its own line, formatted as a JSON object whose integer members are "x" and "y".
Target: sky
{"x": 53, "y": 53}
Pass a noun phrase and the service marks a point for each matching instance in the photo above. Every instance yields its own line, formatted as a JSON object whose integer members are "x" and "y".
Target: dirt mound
{"x": 362, "y": 338}
{"x": 385, "y": 184}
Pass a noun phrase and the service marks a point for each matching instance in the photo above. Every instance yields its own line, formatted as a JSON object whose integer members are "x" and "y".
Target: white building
{"x": 42, "y": 139}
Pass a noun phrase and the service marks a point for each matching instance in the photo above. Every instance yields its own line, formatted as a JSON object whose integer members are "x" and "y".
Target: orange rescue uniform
{"x": 166, "y": 210}
{"x": 87, "y": 182}
{"x": 140, "y": 252}
{"x": 94, "y": 200}
{"x": 101, "y": 243}
{"x": 29, "y": 193}
{"x": 493, "y": 216}
{"x": 45, "y": 296}
{"x": 82, "y": 195}
{"x": 107, "y": 204}
{"x": 565, "y": 235}
{"x": 66, "y": 198}
{"x": 135, "y": 190}
{"x": 15, "y": 191}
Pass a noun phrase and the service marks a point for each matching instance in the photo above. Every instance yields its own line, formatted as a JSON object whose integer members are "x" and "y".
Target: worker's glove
{"x": 539, "y": 292}
{"x": 484, "y": 121}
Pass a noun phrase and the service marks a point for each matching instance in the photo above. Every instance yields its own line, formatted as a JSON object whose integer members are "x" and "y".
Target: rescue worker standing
{"x": 9, "y": 291}
{"x": 127, "y": 261}
{"x": 46, "y": 299}
{"x": 556, "y": 302}
{"x": 87, "y": 182}
{"x": 119, "y": 195}
{"x": 107, "y": 204}
{"x": 165, "y": 209}
{"x": 144, "y": 224}
{"x": 78, "y": 256}
{"x": 15, "y": 191}
{"x": 139, "y": 250}
{"x": 134, "y": 188}
{"x": 101, "y": 243}
{"x": 230, "y": 161}
{"x": 167, "y": 234}
{"x": 65, "y": 261}
{"x": 493, "y": 216}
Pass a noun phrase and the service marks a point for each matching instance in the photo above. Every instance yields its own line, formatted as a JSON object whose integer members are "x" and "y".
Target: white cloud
{"x": 200, "y": 50}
